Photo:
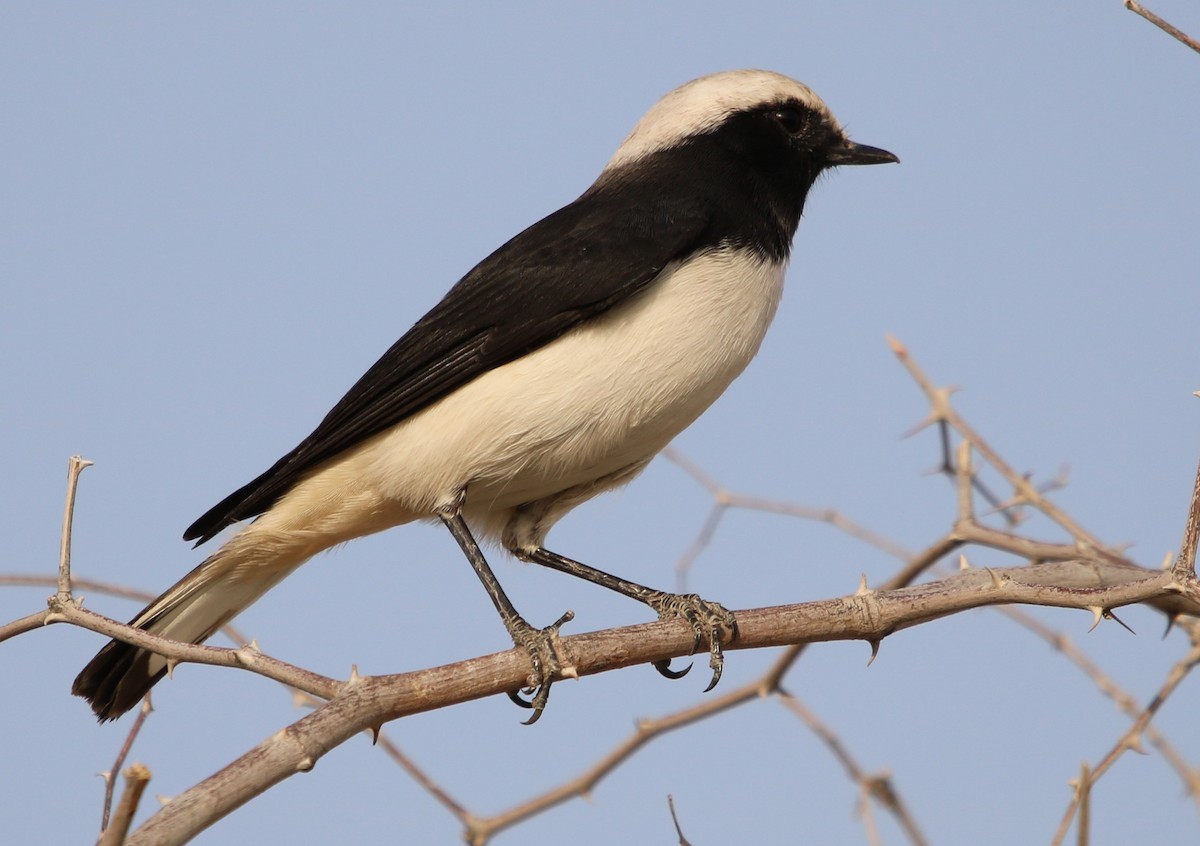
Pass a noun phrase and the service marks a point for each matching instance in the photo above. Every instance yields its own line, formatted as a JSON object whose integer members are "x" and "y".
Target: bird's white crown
{"x": 703, "y": 104}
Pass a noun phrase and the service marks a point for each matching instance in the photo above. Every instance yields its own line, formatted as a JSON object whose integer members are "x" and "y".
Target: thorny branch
{"x": 966, "y": 529}
{"x": 1083, "y": 574}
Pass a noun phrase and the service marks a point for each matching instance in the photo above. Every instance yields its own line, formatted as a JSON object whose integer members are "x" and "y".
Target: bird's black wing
{"x": 570, "y": 266}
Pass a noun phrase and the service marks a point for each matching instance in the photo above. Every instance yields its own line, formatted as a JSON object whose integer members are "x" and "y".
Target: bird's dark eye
{"x": 790, "y": 119}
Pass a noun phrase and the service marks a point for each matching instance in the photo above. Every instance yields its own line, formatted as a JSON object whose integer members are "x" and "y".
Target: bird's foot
{"x": 547, "y": 666}
{"x": 709, "y": 622}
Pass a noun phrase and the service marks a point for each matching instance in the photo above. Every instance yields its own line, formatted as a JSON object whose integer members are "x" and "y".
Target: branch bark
{"x": 365, "y": 703}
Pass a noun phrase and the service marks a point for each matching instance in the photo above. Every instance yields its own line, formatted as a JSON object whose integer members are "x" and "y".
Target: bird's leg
{"x": 708, "y": 619}
{"x": 539, "y": 643}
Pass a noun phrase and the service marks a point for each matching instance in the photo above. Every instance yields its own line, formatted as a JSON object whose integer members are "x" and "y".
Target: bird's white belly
{"x": 602, "y": 398}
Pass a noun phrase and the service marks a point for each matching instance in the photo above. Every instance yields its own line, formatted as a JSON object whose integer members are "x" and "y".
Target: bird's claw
{"x": 518, "y": 700}
{"x": 664, "y": 669}
{"x": 546, "y": 666}
{"x": 708, "y": 621}
{"x": 716, "y": 659}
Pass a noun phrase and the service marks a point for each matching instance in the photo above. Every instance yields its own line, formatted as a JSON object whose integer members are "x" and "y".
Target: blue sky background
{"x": 216, "y": 216}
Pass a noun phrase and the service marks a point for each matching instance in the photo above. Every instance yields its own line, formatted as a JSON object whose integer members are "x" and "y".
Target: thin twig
{"x": 1106, "y": 685}
{"x": 77, "y": 584}
{"x": 25, "y": 624}
{"x": 110, "y": 777}
{"x": 1185, "y": 562}
{"x": 878, "y": 788}
{"x": 724, "y": 499}
{"x": 247, "y": 657}
{"x": 683, "y": 841}
{"x": 941, "y": 409}
{"x": 482, "y": 829}
{"x": 76, "y": 465}
{"x": 136, "y": 779}
{"x": 421, "y": 778}
{"x": 1131, "y": 739}
{"x": 1084, "y": 791}
{"x": 1174, "y": 32}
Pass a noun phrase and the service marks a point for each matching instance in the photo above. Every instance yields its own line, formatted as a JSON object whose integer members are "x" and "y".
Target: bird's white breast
{"x": 604, "y": 397}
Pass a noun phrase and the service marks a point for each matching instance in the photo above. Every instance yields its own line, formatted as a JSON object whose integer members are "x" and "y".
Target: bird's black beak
{"x": 850, "y": 153}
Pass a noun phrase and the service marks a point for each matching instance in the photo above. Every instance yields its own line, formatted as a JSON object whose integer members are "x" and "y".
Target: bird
{"x": 553, "y": 371}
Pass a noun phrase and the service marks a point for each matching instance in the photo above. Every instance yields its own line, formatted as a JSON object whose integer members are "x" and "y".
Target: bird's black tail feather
{"x": 116, "y": 679}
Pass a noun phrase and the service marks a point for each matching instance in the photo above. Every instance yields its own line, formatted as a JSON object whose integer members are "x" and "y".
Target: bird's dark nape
{"x": 116, "y": 679}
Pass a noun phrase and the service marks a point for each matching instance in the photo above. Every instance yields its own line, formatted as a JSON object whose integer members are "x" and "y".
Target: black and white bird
{"x": 553, "y": 371}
